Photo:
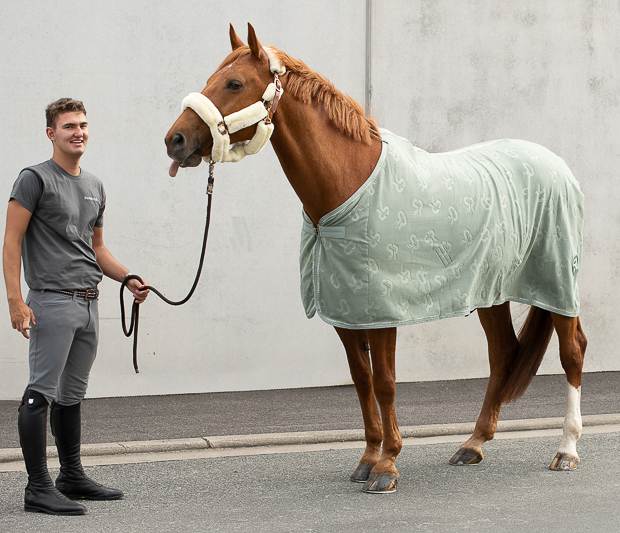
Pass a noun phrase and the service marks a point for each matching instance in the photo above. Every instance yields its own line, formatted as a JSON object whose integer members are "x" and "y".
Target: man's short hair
{"x": 62, "y": 106}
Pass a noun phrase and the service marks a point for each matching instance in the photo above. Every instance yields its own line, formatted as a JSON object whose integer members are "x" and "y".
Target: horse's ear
{"x": 235, "y": 42}
{"x": 255, "y": 46}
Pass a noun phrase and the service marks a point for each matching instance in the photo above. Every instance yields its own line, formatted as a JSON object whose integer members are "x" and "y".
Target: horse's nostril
{"x": 178, "y": 142}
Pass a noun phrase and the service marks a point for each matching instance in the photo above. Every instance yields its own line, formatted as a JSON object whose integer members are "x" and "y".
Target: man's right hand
{"x": 17, "y": 220}
{"x": 21, "y": 317}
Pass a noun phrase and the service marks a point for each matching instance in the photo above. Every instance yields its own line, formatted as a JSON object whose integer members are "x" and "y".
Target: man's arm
{"x": 113, "y": 269}
{"x": 17, "y": 220}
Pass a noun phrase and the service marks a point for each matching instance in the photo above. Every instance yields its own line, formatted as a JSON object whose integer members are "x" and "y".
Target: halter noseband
{"x": 259, "y": 113}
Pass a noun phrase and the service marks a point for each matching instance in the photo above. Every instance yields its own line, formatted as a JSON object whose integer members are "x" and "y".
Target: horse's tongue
{"x": 174, "y": 168}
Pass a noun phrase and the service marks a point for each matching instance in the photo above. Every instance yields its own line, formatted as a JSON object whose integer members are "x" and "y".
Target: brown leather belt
{"x": 88, "y": 294}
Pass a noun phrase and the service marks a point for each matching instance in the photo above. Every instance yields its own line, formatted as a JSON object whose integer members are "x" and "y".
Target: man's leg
{"x": 45, "y": 367}
{"x": 66, "y": 412}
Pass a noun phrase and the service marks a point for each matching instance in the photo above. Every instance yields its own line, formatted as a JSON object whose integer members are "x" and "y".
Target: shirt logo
{"x": 91, "y": 198}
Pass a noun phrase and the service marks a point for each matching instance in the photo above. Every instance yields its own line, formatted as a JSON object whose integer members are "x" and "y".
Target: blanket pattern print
{"x": 437, "y": 235}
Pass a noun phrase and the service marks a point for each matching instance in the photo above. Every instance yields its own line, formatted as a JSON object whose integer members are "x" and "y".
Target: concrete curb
{"x": 8, "y": 455}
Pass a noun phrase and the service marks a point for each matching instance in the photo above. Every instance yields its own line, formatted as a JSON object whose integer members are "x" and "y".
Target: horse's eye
{"x": 234, "y": 85}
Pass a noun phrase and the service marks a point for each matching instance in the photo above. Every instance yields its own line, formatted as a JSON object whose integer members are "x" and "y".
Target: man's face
{"x": 70, "y": 133}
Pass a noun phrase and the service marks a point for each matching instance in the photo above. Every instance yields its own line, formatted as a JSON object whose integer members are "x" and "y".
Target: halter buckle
{"x": 276, "y": 98}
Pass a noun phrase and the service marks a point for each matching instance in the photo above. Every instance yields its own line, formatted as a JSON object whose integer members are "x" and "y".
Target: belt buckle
{"x": 90, "y": 294}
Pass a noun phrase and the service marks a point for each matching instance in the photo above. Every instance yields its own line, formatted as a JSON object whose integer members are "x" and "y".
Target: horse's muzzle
{"x": 187, "y": 153}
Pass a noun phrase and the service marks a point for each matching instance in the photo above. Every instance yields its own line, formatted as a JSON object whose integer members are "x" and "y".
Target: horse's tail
{"x": 534, "y": 339}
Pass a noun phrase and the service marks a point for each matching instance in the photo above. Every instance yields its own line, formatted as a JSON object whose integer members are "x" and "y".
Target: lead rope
{"x": 135, "y": 308}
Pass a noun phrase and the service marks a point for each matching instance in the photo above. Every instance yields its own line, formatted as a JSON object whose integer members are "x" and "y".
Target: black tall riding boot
{"x": 72, "y": 481}
{"x": 40, "y": 496}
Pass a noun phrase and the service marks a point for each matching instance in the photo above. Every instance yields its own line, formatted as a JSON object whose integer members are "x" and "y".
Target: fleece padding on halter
{"x": 211, "y": 116}
{"x": 432, "y": 236}
{"x": 222, "y": 127}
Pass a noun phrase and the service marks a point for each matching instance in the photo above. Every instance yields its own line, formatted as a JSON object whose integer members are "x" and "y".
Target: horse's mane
{"x": 310, "y": 87}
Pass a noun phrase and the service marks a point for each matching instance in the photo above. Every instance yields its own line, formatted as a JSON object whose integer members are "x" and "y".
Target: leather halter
{"x": 259, "y": 113}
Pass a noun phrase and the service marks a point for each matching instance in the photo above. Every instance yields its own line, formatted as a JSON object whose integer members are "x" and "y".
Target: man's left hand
{"x": 138, "y": 290}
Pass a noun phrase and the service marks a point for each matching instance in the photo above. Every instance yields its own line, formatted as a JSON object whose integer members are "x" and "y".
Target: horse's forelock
{"x": 233, "y": 56}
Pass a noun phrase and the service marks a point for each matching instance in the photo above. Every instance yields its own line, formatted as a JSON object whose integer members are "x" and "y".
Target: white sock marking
{"x": 572, "y": 421}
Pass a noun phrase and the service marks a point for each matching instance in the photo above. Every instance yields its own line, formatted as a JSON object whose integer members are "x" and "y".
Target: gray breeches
{"x": 63, "y": 345}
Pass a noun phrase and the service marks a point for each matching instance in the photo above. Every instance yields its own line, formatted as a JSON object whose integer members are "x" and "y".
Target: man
{"x": 55, "y": 224}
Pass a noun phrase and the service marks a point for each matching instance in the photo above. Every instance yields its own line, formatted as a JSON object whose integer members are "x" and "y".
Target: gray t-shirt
{"x": 57, "y": 247}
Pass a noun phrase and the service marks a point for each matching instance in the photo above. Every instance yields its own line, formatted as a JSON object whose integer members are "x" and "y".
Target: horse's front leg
{"x": 384, "y": 476}
{"x": 356, "y": 345}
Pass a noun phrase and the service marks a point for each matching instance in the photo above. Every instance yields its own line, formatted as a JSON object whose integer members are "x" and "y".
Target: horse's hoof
{"x": 381, "y": 483}
{"x": 465, "y": 456}
{"x": 563, "y": 461}
{"x": 361, "y": 473}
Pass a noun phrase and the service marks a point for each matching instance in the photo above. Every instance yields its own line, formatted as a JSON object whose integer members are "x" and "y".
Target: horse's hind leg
{"x": 503, "y": 346}
{"x": 573, "y": 344}
{"x": 357, "y": 347}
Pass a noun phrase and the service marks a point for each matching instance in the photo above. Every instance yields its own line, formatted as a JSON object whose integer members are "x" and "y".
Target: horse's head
{"x": 232, "y": 108}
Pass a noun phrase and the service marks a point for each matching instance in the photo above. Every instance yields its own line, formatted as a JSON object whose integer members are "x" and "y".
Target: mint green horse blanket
{"x": 438, "y": 235}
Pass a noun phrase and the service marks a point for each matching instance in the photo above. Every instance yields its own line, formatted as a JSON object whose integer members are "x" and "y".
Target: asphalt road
{"x": 308, "y": 490}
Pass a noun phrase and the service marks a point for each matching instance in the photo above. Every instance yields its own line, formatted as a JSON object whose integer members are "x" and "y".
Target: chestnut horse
{"x": 328, "y": 149}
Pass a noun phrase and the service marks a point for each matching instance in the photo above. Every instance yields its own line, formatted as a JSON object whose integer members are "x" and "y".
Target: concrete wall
{"x": 443, "y": 73}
